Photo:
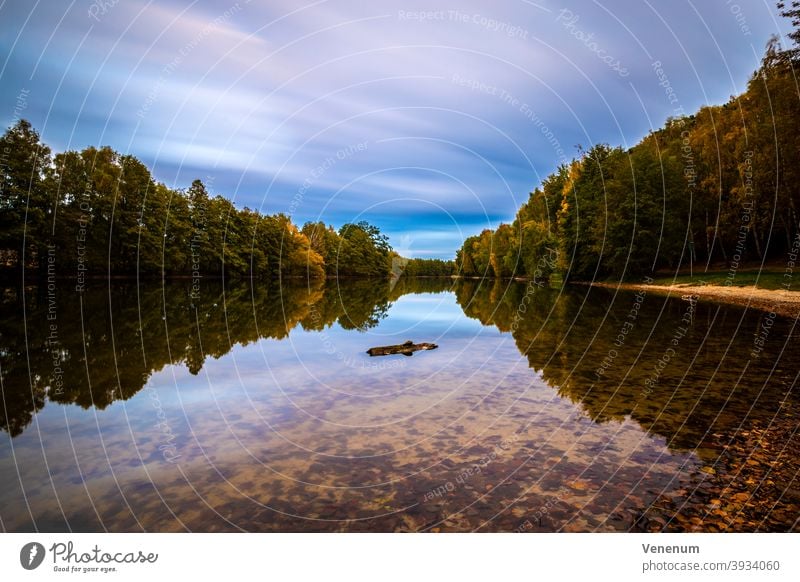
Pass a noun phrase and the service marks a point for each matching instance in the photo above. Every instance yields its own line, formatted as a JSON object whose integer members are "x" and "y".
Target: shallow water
{"x": 133, "y": 408}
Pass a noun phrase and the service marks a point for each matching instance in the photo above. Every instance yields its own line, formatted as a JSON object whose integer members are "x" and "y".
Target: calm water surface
{"x": 133, "y": 408}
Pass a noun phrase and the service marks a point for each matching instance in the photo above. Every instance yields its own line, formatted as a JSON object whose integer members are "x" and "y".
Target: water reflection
{"x": 102, "y": 345}
{"x": 255, "y": 408}
{"x": 681, "y": 370}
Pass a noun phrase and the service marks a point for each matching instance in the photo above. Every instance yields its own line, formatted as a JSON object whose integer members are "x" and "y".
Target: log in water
{"x": 407, "y": 349}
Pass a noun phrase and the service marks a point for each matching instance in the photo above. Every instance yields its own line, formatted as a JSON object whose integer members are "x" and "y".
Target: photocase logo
{"x": 31, "y": 555}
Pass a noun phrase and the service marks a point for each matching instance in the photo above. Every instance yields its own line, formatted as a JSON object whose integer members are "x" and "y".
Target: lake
{"x": 254, "y": 407}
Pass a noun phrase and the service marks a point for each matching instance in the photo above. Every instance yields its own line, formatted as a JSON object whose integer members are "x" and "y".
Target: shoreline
{"x": 778, "y": 301}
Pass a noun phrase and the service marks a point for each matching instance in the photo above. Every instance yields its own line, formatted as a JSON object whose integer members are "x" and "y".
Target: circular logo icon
{"x": 31, "y": 555}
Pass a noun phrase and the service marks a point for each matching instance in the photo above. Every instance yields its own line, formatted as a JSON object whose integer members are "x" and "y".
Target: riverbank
{"x": 779, "y": 301}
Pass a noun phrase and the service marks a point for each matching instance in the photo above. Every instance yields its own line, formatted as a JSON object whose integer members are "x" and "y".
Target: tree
{"x": 583, "y": 213}
{"x": 504, "y": 254}
{"x": 363, "y": 251}
{"x": 26, "y": 209}
{"x": 792, "y": 12}
{"x": 325, "y": 242}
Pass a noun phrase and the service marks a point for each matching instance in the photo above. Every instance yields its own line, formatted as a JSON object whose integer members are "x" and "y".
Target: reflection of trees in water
{"x": 353, "y": 304}
{"x": 108, "y": 341}
{"x": 571, "y": 337}
{"x": 708, "y": 383}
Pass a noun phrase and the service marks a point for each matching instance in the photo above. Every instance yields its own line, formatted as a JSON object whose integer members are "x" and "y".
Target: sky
{"x": 431, "y": 119}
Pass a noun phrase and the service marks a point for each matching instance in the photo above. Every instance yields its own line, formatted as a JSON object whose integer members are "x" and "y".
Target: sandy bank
{"x": 786, "y": 303}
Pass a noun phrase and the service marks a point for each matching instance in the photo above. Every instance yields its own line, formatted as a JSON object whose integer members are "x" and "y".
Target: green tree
{"x": 26, "y": 208}
{"x": 363, "y": 251}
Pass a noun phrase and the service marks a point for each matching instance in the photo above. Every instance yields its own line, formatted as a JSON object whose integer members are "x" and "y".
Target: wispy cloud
{"x": 450, "y": 99}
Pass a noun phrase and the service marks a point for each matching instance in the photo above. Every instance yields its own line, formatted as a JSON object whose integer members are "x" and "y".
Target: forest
{"x": 100, "y": 212}
{"x": 720, "y": 187}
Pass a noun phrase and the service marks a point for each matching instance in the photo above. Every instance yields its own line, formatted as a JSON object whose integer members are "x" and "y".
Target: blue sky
{"x": 431, "y": 119}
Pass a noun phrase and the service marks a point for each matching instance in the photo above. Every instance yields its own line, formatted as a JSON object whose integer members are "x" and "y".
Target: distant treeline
{"x": 101, "y": 212}
{"x": 722, "y": 185}
{"x": 429, "y": 268}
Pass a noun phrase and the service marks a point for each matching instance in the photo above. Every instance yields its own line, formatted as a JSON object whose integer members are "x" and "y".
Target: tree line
{"x": 428, "y": 268}
{"x": 721, "y": 186}
{"x": 102, "y": 212}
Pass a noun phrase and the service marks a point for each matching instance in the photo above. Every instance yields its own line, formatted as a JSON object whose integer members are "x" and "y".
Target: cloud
{"x": 463, "y": 107}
